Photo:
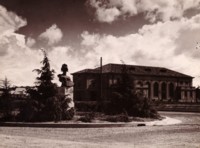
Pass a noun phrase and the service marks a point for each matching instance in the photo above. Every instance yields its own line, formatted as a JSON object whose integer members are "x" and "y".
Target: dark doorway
{"x": 155, "y": 89}
{"x": 171, "y": 90}
{"x": 164, "y": 90}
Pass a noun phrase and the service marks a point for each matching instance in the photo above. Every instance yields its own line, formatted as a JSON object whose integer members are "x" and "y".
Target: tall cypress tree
{"x": 44, "y": 83}
{"x": 43, "y": 104}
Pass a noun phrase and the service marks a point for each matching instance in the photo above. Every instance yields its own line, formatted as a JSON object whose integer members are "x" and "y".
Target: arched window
{"x": 185, "y": 93}
{"x": 171, "y": 90}
{"x": 164, "y": 90}
{"x": 139, "y": 83}
{"x": 155, "y": 89}
{"x": 191, "y": 93}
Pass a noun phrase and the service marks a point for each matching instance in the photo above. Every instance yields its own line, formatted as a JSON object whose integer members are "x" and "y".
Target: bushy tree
{"x": 45, "y": 87}
{"x": 125, "y": 99}
{"x": 44, "y": 103}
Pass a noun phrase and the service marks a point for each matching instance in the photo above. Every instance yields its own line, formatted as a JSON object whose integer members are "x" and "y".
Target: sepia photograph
{"x": 99, "y": 73}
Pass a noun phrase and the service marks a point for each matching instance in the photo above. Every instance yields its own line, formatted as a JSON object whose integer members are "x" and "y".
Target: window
{"x": 191, "y": 94}
{"x": 112, "y": 82}
{"x": 163, "y": 70}
{"x": 91, "y": 84}
{"x": 132, "y": 69}
{"x": 140, "y": 84}
{"x": 155, "y": 89}
{"x": 164, "y": 92}
{"x": 148, "y": 69}
{"x": 185, "y": 93}
{"x": 171, "y": 90}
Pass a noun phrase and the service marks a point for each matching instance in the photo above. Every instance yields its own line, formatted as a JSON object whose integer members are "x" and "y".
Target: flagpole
{"x": 101, "y": 83}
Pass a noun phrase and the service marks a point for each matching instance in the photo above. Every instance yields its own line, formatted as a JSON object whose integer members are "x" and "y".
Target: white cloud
{"x": 110, "y": 10}
{"x": 169, "y": 44}
{"x": 160, "y": 44}
{"x": 16, "y": 59}
{"x": 52, "y": 35}
{"x": 19, "y": 61}
{"x": 13, "y": 61}
{"x": 89, "y": 39}
{"x": 30, "y": 42}
{"x": 9, "y": 21}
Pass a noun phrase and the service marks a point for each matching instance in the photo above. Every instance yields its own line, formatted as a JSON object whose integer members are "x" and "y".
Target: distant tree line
{"x": 5, "y": 99}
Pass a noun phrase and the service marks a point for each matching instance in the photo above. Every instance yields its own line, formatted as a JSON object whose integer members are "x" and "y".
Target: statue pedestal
{"x": 68, "y": 93}
{"x": 63, "y": 91}
{"x": 69, "y": 84}
{"x": 65, "y": 94}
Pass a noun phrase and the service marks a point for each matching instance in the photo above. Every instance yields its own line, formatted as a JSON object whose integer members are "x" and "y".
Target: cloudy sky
{"x": 78, "y": 32}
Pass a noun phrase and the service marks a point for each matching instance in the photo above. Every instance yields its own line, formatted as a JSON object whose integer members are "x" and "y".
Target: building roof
{"x": 87, "y": 71}
{"x": 19, "y": 90}
{"x": 135, "y": 69}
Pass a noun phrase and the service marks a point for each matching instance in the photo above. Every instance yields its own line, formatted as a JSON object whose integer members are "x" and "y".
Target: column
{"x": 167, "y": 91}
{"x": 194, "y": 96}
{"x": 182, "y": 96}
{"x": 151, "y": 89}
{"x": 188, "y": 96}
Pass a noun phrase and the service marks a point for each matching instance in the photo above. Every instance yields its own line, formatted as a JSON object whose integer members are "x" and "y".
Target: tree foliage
{"x": 5, "y": 99}
{"x": 45, "y": 87}
{"x": 46, "y": 75}
{"x": 44, "y": 104}
{"x": 126, "y": 100}
{"x": 5, "y": 86}
{"x": 43, "y": 99}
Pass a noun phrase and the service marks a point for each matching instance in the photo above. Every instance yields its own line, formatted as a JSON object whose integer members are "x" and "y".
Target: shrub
{"x": 44, "y": 103}
{"x": 125, "y": 99}
{"x": 29, "y": 111}
{"x": 67, "y": 113}
{"x": 118, "y": 118}
{"x": 87, "y": 118}
{"x": 86, "y": 106}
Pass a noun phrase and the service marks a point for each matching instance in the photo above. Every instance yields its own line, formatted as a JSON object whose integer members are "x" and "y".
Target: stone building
{"x": 19, "y": 93}
{"x": 156, "y": 83}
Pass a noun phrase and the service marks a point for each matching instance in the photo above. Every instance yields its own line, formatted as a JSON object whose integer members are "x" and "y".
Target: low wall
{"x": 67, "y": 125}
{"x": 88, "y": 106}
{"x": 179, "y": 107}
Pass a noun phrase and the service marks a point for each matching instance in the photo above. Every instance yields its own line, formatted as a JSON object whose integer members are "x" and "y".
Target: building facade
{"x": 156, "y": 83}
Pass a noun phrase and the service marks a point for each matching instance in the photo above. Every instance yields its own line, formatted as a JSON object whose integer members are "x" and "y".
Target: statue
{"x": 63, "y": 78}
{"x": 66, "y": 91}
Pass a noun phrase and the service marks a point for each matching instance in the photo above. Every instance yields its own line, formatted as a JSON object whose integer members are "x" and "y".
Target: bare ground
{"x": 181, "y": 135}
